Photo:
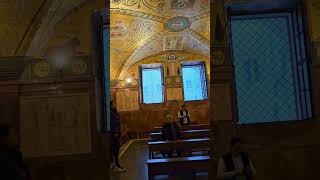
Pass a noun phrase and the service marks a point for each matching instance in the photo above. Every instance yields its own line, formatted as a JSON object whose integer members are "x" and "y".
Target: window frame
{"x": 194, "y": 63}
{"x": 292, "y": 8}
{"x": 145, "y": 66}
{"x": 101, "y": 63}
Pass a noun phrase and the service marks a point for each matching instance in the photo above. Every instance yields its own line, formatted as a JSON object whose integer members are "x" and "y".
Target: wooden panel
{"x": 174, "y": 94}
{"x": 12, "y": 68}
{"x": 221, "y": 102}
{"x": 145, "y": 120}
{"x": 127, "y": 100}
{"x": 56, "y": 125}
{"x": 9, "y": 103}
{"x": 189, "y": 134}
{"x": 182, "y": 145}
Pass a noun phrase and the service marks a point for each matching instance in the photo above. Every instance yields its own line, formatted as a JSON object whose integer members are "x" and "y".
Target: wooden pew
{"x": 185, "y": 128}
{"x": 176, "y": 166}
{"x": 189, "y": 134}
{"x": 187, "y": 145}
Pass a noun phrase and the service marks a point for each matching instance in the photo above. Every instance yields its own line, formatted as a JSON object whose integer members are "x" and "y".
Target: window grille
{"x": 271, "y": 67}
{"x": 194, "y": 81}
{"x": 152, "y": 83}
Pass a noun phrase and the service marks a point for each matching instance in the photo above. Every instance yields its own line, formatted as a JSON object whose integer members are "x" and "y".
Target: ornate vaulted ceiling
{"x": 25, "y": 26}
{"x": 141, "y": 28}
{"x": 15, "y": 16}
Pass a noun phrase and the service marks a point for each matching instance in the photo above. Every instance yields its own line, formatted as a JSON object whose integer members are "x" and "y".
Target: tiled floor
{"x": 134, "y": 160}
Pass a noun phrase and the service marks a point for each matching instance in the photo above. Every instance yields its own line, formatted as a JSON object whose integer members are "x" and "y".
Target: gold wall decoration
{"x": 41, "y": 69}
{"x": 181, "y": 56}
{"x": 124, "y": 83}
{"x": 79, "y": 67}
{"x": 218, "y": 57}
{"x": 182, "y": 4}
{"x": 168, "y": 80}
{"x": 174, "y": 94}
{"x": 172, "y": 43}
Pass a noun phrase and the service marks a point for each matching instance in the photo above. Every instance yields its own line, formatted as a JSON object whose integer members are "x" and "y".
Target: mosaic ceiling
{"x": 140, "y": 28}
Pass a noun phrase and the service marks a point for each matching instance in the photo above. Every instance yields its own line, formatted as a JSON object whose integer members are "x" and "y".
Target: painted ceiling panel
{"x": 164, "y": 8}
{"x": 141, "y": 28}
{"x": 16, "y": 15}
{"x": 129, "y": 32}
{"x": 202, "y": 27}
{"x": 57, "y": 13}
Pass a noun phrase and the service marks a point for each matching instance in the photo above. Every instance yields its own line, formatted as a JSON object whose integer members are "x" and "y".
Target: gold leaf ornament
{"x": 41, "y": 69}
{"x": 79, "y": 67}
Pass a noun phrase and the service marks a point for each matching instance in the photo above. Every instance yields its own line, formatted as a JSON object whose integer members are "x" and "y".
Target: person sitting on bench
{"x": 235, "y": 165}
{"x": 184, "y": 116}
{"x": 170, "y": 132}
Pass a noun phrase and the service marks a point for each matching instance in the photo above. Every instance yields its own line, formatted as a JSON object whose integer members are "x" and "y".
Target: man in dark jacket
{"x": 11, "y": 163}
{"x": 170, "y": 132}
{"x": 235, "y": 165}
{"x": 115, "y": 135}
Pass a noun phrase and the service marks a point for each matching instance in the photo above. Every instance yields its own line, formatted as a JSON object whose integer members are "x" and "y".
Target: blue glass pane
{"x": 194, "y": 85}
{"x": 152, "y": 86}
{"x": 263, "y": 69}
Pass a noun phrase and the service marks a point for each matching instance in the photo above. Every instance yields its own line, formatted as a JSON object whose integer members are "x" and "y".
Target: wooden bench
{"x": 176, "y": 166}
{"x": 189, "y": 134}
{"x": 185, "y": 128}
{"x": 187, "y": 145}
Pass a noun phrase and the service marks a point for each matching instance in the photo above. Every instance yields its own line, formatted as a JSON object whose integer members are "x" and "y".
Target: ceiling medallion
{"x": 177, "y": 24}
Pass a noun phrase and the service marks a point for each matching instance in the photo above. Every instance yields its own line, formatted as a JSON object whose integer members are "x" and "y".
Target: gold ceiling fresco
{"x": 15, "y": 16}
{"x": 141, "y": 28}
{"x": 27, "y": 25}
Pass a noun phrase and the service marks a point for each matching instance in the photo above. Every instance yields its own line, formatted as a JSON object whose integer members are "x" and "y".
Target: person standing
{"x": 115, "y": 135}
{"x": 11, "y": 161}
{"x": 184, "y": 116}
{"x": 235, "y": 164}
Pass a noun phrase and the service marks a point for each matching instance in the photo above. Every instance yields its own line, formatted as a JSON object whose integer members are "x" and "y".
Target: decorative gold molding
{"x": 200, "y": 16}
{"x": 138, "y": 14}
{"x": 134, "y": 52}
{"x": 198, "y": 36}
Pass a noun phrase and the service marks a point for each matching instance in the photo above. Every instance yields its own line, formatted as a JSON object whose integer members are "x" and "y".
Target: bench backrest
{"x": 185, "y": 128}
{"x": 179, "y": 159}
{"x": 201, "y": 133}
{"x": 188, "y": 144}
